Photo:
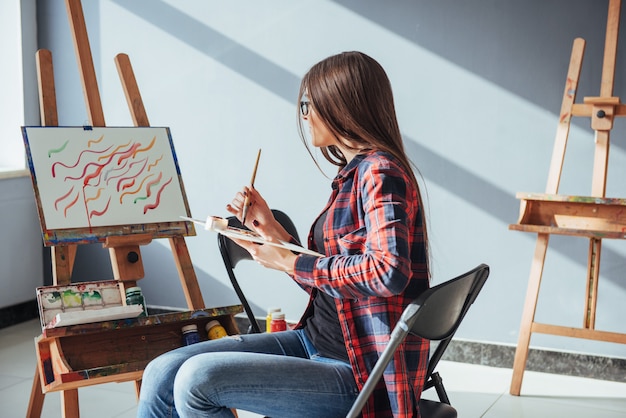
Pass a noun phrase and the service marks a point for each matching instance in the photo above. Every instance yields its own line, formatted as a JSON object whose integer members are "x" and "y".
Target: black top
{"x": 322, "y": 327}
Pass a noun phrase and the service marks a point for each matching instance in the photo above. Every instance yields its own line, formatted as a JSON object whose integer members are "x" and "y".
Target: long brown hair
{"x": 352, "y": 96}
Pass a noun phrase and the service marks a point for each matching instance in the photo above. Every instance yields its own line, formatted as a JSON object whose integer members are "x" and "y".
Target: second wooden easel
{"x": 150, "y": 335}
{"x": 594, "y": 217}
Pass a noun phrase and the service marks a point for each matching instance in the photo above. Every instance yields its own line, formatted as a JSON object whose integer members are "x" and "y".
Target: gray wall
{"x": 478, "y": 87}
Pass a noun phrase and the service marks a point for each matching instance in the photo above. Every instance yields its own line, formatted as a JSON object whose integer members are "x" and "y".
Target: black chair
{"x": 233, "y": 254}
{"x": 435, "y": 315}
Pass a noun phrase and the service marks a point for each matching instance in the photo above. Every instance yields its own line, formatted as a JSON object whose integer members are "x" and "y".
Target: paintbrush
{"x": 246, "y": 200}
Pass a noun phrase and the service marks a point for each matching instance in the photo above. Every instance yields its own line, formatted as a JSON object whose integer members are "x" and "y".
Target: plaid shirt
{"x": 376, "y": 266}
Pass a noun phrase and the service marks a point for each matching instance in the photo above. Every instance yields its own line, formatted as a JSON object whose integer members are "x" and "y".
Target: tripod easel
{"x": 595, "y": 217}
{"x": 89, "y": 354}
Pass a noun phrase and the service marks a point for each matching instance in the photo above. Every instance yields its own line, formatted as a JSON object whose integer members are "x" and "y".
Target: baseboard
{"x": 13, "y": 315}
{"x": 547, "y": 361}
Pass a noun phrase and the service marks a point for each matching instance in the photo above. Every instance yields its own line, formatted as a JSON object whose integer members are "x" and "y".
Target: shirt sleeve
{"x": 373, "y": 259}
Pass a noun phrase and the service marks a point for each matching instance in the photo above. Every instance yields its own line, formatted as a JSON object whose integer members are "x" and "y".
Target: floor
{"x": 475, "y": 391}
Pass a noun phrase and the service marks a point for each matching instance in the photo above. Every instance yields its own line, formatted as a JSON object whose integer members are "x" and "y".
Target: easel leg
{"x": 593, "y": 275}
{"x": 137, "y": 388}
{"x": 187, "y": 275}
{"x": 69, "y": 403}
{"x": 528, "y": 316}
{"x": 62, "y": 264}
{"x": 35, "y": 404}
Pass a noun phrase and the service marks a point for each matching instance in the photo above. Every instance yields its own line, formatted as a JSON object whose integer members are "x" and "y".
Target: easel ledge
{"x": 117, "y": 351}
{"x": 585, "y": 216}
{"x": 100, "y": 234}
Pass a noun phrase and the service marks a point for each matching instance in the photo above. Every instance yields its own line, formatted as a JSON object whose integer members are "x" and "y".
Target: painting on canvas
{"x": 94, "y": 181}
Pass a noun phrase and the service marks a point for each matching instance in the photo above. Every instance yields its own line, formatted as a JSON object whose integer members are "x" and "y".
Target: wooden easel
{"x": 595, "y": 217}
{"x": 154, "y": 335}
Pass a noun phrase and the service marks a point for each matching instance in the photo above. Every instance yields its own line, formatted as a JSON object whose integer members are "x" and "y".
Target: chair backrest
{"x": 434, "y": 315}
{"x": 441, "y": 309}
{"x": 232, "y": 254}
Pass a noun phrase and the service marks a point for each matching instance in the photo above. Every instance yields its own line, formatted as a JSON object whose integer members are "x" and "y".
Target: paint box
{"x": 83, "y": 303}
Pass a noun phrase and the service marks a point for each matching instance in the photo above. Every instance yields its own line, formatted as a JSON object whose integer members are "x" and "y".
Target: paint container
{"x": 278, "y": 322}
{"x": 190, "y": 334}
{"x": 268, "y": 319}
{"x": 135, "y": 297}
{"x": 215, "y": 330}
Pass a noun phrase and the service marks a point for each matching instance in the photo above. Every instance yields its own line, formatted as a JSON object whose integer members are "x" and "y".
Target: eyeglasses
{"x": 305, "y": 107}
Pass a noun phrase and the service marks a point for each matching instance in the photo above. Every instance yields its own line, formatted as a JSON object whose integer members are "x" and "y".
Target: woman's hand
{"x": 270, "y": 256}
{"x": 259, "y": 217}
{"x": 261, "y": 220}
{"x": 257, "y": 207}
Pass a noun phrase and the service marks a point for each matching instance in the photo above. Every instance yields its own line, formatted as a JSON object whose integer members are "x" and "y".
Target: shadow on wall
{"x": 501, "y": 205}
{"x": 215, "y": 45}
{"x": 489, "y": 38}
{"x": 505, "y": 42}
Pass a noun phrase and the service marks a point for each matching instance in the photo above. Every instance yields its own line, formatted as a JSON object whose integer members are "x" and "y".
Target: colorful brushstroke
{"x": 104, "y": 173}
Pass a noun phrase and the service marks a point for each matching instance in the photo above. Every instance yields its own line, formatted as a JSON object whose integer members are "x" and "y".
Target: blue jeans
{"x": 274, "y": 374}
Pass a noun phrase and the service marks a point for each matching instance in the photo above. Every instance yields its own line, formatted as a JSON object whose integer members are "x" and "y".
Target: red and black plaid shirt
{"x": 375, "y": 266}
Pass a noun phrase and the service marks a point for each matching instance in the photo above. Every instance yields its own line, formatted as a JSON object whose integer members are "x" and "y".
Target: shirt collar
{"x": 350, "y": 167}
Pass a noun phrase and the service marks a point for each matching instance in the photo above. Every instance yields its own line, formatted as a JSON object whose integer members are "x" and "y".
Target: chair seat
{"x": 434, "y": 409}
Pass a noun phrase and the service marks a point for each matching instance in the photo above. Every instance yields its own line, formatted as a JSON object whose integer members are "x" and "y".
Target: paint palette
{"x": 220, "y": 225}
{"x": 83, "y": 303}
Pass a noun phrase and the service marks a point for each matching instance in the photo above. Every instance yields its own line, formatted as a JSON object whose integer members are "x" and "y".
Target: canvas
{"x": 90, "y": 182}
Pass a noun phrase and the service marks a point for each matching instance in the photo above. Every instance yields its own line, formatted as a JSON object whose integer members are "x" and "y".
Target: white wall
{"x": 21, "y": 253}
{"x": 11, "y": 81}
{"x": 478, "y": 87}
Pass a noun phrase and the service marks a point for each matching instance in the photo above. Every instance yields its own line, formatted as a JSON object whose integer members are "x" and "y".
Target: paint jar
{"x": 278, "y": 322}
{"x": 215, "y": 330}
{"x": 268, "y": 318}
{"x": 135, "y": 297}
{"x": 190, "y": 334}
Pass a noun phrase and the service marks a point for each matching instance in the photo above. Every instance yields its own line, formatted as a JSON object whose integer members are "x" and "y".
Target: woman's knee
{"x": 163, "y": 368}
{"x": 199, "y": 383}
{"x": 209, "y": 367}
{"x": 206, "y": 373}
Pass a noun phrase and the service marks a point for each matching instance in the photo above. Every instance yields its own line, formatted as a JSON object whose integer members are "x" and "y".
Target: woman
{"x": 373, "y": 234}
